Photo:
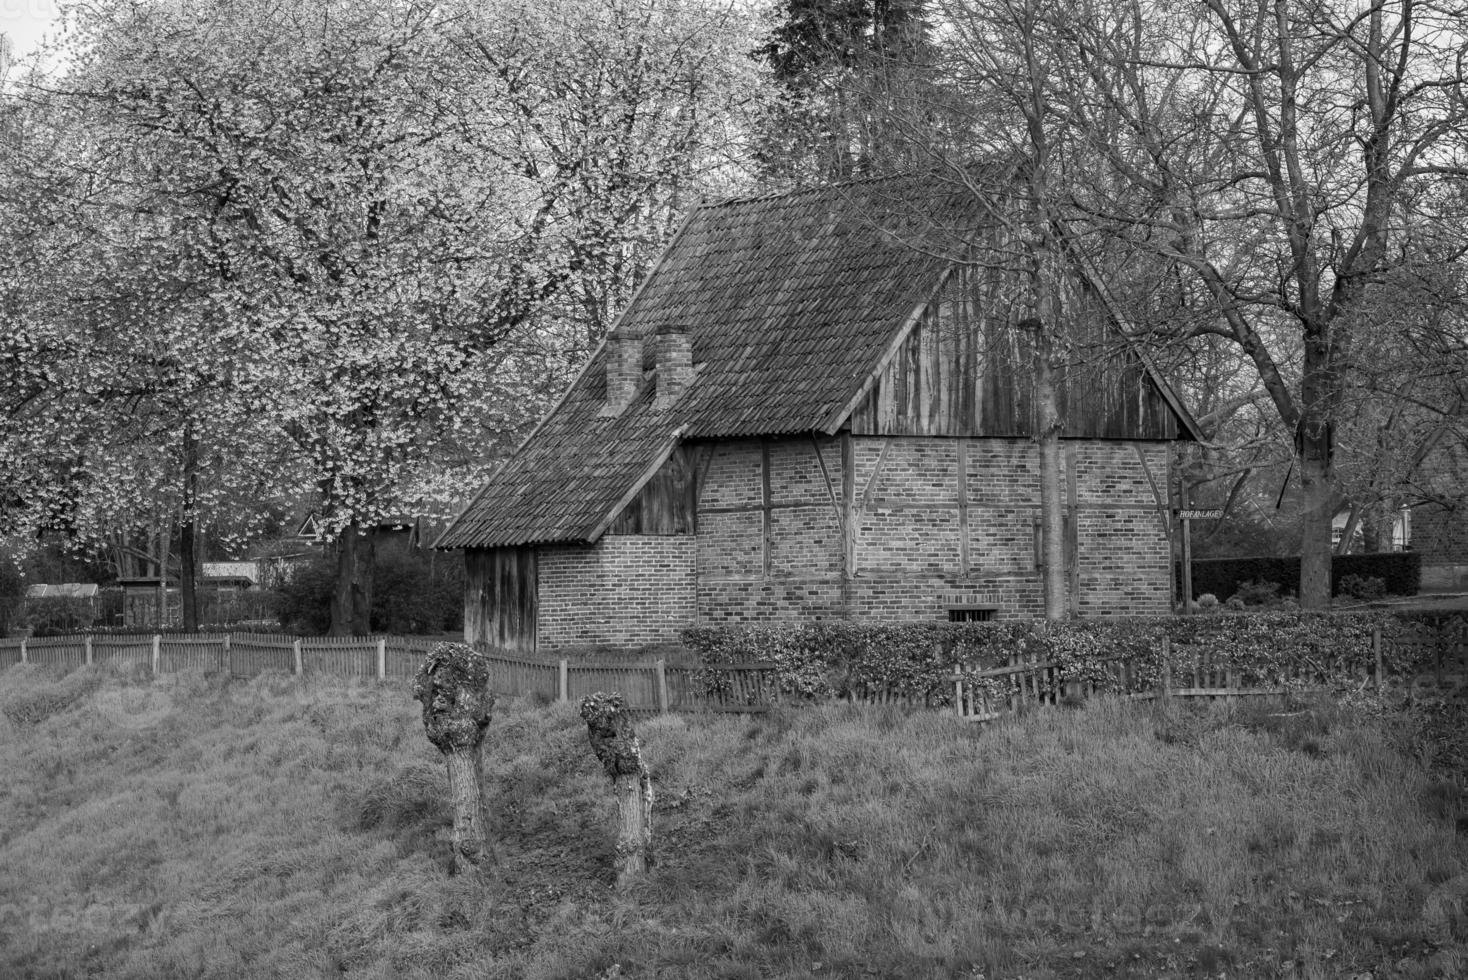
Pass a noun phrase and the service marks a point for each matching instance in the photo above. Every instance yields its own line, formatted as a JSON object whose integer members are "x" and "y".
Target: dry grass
{"x": 282, "y": 828}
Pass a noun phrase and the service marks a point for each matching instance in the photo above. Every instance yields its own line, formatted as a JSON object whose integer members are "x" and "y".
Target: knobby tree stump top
{"x": 453, "y": 685}
{"x": 609, "y": 729}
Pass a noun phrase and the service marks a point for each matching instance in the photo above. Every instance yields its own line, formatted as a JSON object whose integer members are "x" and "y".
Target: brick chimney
{"x": 674, "y": 364}
{"x": 624, "y": 371}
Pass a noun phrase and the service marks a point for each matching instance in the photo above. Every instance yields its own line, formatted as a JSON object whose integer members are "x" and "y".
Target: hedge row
{"x": 1221, "y": 577}
{"x": 821, "y": 660}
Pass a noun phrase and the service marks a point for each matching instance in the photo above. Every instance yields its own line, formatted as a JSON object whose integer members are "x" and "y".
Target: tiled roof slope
{"x": 790, "y": 302}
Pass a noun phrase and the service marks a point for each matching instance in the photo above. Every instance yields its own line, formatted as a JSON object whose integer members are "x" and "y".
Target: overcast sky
{"x": 25, "y": 21}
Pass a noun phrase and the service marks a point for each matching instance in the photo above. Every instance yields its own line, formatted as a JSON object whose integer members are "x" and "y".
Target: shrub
{"x": 821, "y": 660}
{"x": 1401, "y": 572}
{"x": 1253, "y": 593}
{"x": 1208, "y": 602}
{"x": 1364, "y": 587}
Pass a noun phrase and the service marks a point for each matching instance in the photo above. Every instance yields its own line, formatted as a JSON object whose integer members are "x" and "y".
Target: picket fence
{"x": 654, "y": 686}
{"x": 1440, "y": 659}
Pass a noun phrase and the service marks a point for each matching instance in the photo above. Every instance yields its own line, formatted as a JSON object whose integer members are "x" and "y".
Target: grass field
{"x": 193, "y": 828}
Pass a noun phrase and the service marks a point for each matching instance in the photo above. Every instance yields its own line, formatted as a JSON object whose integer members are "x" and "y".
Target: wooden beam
{"x": 830, "y": 490}
{"x": 703, "y": 475}
{"x": 848, "y": 500}
{"x": 769, "y": 522}
{"x": 1162, "y": 511}
{"x": 871, "y": 484}
{"x": 1073, "y": 532}
{"x": 963, "y": 555}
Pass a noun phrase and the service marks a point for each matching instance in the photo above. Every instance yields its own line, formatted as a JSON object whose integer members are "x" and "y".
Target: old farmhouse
{"x": 819, "y": 405}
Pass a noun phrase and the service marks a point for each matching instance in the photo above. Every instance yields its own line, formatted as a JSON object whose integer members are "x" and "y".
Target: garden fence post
{"x": 662, "y": 671}
{"x": 563, "y": 686}
{"x": 24, "y": 656}
{"x": 224, "y": 653}
{"x": 381, "y": 658}
{"x": 958, "y": 690}
{"x": 87, "y": 644}
{"x": 1376, "y": 652}
{"x": 157, "y": 654}
{"x": 296, "y": 649}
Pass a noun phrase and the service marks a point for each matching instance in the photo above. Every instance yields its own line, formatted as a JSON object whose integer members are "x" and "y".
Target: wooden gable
{"x": 965, "y": 369}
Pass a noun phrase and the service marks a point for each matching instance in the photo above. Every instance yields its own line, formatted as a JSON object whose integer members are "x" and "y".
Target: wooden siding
{"x": 668, "y": 503}
{"x": 501, "y": 596}
{"x": 965, "y": 370}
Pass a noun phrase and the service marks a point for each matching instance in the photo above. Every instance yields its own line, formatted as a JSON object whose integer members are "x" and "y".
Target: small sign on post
{"x": 1198, "y": 515}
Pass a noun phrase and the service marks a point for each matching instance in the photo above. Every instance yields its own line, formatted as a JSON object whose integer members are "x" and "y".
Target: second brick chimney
{"x": 674, "y": 364}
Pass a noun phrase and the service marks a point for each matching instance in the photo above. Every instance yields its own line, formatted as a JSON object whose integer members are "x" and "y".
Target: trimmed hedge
{"x": 1401, "y": 571}
{"x": 815, "y": 661}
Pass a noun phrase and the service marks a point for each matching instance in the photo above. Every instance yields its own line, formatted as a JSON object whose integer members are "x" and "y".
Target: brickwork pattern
{"x": 625, "y": 591}
{"x": 637, "y": 589}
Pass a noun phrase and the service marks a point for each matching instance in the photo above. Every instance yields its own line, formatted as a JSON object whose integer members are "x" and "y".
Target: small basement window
{"x": 971, "y": 614}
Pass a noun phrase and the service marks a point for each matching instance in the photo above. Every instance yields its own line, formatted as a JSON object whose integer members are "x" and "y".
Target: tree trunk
{"x": 615, "y": 744}
{"x": 466, "y": 800}
{"x": 1316, "y": 505}
{"x": 188, "y": 563}
{"x": 188, "y": 557}
{"x": 351, "y": 600}
{"x": 452, "y": 684}
{"x": 634, "y": 826}
{"x": 1047, "y": 433}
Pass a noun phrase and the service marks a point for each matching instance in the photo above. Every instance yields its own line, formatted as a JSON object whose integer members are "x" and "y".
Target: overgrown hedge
{"x": 821, "y": 660}
{"x": 1401, "y": 571}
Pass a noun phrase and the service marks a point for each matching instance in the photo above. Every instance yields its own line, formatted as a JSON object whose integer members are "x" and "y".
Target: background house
{"x": 811, "y": 409}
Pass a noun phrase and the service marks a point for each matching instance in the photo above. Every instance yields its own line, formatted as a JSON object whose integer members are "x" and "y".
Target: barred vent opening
{"x": 971, "y": 614}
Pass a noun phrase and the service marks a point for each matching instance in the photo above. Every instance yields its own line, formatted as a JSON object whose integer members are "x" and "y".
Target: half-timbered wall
{"x": 775, "y": 540}
{"x": 866, "y": 527}
{"x": 770, "y": 531}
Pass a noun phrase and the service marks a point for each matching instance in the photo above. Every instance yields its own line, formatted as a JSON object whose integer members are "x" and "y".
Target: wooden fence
{"x": 1439, "y": 656}
{"x": 646, "y": 686}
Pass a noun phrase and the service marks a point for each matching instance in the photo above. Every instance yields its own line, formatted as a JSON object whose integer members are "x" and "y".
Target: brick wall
{"x": 910, "y": 530}
{"x": 625, "y": 591}
{"x": 802, "y": 552}
{"x": 770, "y": 544}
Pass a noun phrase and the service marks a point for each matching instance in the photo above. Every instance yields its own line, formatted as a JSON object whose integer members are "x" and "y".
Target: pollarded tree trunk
{"x": 453, "y": 685}
{"x": 609, "y": 728}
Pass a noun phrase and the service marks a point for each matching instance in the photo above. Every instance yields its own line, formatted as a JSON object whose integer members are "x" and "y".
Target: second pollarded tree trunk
{"x": 453, "y": 685}
{"x": 615, "y": 743}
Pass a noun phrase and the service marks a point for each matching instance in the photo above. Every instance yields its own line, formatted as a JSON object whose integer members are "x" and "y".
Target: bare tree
{"x": 1265, "y": 173}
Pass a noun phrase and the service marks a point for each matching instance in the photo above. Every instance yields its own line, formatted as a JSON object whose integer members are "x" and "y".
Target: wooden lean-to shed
{"x": 818, "y": 405}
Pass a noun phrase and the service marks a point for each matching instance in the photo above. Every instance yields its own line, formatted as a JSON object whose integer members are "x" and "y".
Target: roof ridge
{"x": 815, "y": 189}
